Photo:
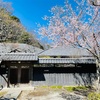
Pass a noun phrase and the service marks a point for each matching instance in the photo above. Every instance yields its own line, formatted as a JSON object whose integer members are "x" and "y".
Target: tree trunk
{"x": 98, "y": 76}
{"x": 5, "y": 80}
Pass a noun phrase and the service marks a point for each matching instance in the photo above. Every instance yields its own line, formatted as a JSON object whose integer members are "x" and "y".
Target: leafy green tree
{"x": 11, "y": 30}
{"x": 15, "y": 18}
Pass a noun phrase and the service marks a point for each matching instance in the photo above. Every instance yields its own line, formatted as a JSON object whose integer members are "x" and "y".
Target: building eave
{"x": 20, "y": 57}
{"x": 68, "y": 60}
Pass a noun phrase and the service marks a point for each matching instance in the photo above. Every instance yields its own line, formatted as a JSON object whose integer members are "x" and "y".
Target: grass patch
{"x": 81, "y": 88}
{"x": 69, "y": 89}
{"x": 44, "y": 86}
{"x": 56, "y": 87}
{"x": 94, "y": 96}
{"x": 51, "y": 87}
{"x": 2, "y": 93}
{"x": 75, "y": 88}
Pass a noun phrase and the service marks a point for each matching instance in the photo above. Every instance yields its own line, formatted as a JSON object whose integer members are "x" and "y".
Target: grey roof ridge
{"x": 45, "y": 50}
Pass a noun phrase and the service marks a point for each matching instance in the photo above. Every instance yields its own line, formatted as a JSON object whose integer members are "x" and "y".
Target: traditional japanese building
{"x": 62, "y": 65}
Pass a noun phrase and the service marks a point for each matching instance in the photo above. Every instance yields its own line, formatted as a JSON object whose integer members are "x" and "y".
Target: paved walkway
{"x": 13, "y": 93}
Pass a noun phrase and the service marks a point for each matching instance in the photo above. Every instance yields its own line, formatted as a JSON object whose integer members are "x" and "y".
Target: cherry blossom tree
{"x": 94, "y": 2}
{"x": 6, "y": 5}
{"x": 76, "y": 23}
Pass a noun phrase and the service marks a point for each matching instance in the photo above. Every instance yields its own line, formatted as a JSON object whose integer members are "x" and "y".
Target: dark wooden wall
{"x": 79, "y": 75}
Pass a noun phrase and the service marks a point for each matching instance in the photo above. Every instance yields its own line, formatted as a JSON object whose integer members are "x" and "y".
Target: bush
{"x": 94, "y": 96}
{"x": 74, "y": 88}
{"x": 80, "y": 88}
{"x": 69, "y": 88}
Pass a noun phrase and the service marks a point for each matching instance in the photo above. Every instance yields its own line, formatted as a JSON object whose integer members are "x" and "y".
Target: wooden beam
{"x": 19, "y": 74}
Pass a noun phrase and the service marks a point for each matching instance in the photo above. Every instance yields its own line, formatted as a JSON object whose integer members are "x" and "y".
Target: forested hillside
{"x": 11, "y": 29}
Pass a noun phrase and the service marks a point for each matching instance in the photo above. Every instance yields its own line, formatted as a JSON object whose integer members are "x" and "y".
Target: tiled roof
{"x": 67, "y": 60}
{"x": 19, "y": 48}
{"x": 17, "y": 51}
{"x": 19, "y": 56}
{"x": 25, "y": 52}
{"x": 65, "y": 51}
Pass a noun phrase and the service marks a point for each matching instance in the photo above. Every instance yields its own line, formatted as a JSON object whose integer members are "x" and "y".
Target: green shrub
{"x": 94, "y": 96}
{"x": 69, "y": 88}
{"x": 74, "y": 88}
{"x": 80, "y": 88}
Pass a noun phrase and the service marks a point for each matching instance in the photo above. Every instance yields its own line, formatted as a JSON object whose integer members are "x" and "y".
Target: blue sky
{"x": 31, "y": 12}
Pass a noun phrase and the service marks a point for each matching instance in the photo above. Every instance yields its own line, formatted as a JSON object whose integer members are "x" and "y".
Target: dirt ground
{"x": 43, "y": 94}
{"x": 39, "y": 94}
{"x": 27, "y": 95}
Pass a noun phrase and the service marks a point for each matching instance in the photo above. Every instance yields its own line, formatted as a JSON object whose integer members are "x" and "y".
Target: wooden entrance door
{"x": 13, "y": 75}
{"x": 24, "y": 75}
{"x": 19, "y": 75}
